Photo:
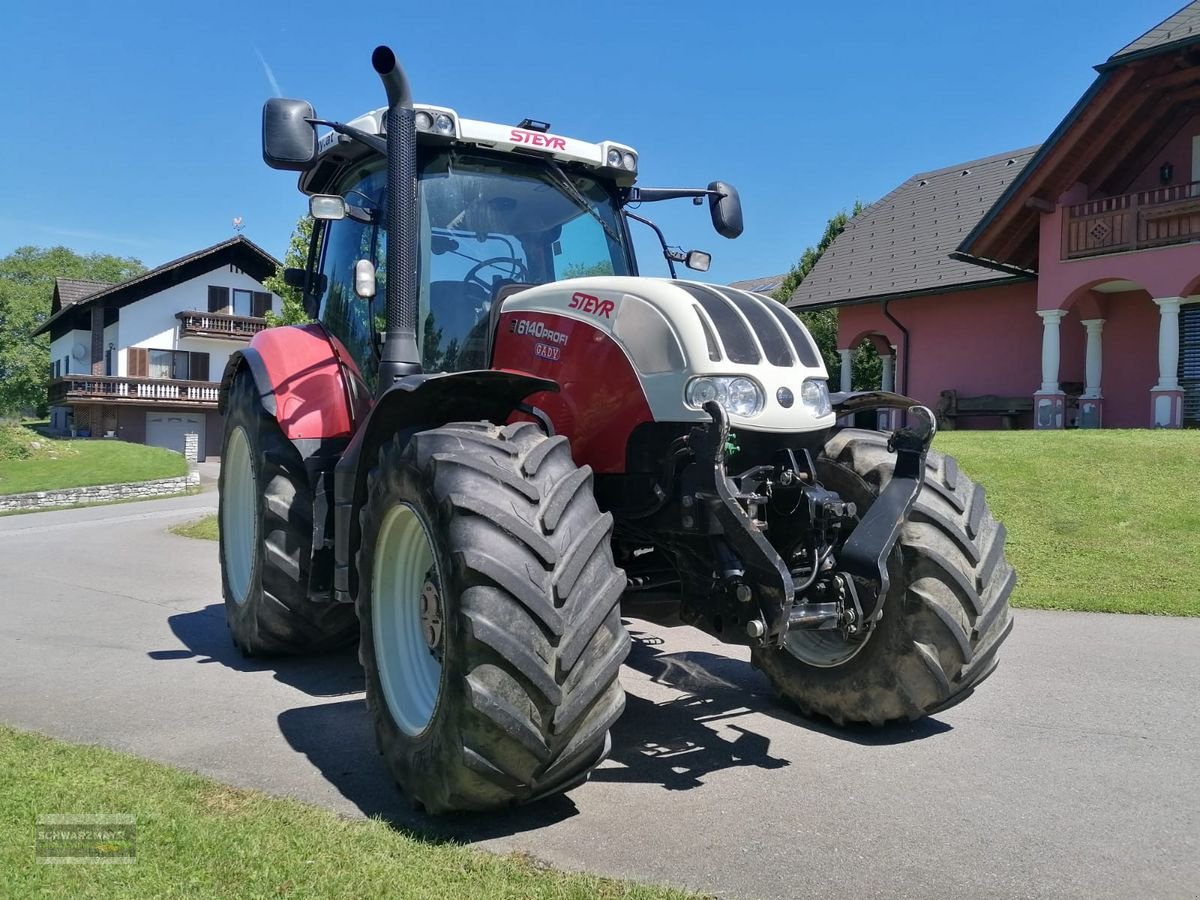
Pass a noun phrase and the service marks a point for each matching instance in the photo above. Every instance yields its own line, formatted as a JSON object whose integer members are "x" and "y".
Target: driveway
{"x": 1072, "y": 772}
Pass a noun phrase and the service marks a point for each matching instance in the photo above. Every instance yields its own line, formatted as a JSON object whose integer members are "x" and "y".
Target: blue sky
{"x": 133, "y": 128}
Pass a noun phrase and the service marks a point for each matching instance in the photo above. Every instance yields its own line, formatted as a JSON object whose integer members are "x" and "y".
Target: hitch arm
{"x": 769, "y": 574}
{"x": 864, "y": 556}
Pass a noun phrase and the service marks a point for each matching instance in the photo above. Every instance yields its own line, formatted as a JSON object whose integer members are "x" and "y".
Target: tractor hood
{"x": 673, "y": 332}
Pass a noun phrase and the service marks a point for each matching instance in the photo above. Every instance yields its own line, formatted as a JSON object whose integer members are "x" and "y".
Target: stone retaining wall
{"x": 100, "y": 493}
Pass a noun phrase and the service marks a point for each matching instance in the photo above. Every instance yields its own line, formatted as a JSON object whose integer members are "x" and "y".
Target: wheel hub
{"x": 431, "y": 616}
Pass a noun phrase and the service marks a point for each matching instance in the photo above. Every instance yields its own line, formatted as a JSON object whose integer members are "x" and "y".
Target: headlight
{"x": 814, "y": 394}
{"x": 424, "y": 121}
{"x": 443, "y": 124}
{"x": 614, "y": 156}
{"x": 739, "y": 395}
{"x": 629, "y": 161}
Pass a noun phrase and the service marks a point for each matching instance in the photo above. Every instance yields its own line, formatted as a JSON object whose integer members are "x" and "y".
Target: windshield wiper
{"x": 565, "y": 182}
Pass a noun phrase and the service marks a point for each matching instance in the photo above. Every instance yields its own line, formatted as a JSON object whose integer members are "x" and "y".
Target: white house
{"x": 142, "y": 360}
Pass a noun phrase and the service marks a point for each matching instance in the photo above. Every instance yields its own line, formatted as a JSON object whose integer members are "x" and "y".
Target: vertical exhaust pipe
{"x": 400, "y": 356}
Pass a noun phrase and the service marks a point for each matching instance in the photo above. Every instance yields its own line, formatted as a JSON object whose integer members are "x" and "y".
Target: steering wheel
{"x": 517, "y": 271}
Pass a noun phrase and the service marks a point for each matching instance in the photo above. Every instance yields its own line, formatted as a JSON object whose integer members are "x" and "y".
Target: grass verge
{"x": 197, "y": 838}
{"x": 1099, "y": 521}
{"x": 30, "y": 461}
{"x": 201, "y": 529}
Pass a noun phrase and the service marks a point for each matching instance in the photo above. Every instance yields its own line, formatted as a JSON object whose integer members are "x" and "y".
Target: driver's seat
{"x": 454, "y": 305}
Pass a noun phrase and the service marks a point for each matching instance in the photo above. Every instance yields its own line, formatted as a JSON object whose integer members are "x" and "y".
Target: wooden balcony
{"x": 149, "y": 391}
{"x": 193, "y": 323}
{"x": 1157, "y": 218}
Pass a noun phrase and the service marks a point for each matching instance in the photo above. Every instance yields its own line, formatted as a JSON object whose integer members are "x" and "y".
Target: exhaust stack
{"x": 400, "y": 356}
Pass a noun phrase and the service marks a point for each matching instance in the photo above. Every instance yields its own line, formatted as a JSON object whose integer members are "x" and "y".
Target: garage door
{"x": 168, "y": 429}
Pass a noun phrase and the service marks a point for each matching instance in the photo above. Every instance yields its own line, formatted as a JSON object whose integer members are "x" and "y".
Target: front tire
{"x": 491, "y": 633}
{"x": 945, "y": 614}
{"x": 265, "y": 509}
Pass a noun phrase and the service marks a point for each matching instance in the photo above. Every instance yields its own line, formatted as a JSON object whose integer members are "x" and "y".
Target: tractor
{"x": 496, "y": 441}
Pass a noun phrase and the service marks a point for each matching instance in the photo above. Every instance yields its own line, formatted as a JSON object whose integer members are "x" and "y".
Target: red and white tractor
{"x": 499, "y": 439}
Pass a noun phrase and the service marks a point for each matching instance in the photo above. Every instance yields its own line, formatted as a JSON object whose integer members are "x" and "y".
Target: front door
{"x": 1189, "y": 363}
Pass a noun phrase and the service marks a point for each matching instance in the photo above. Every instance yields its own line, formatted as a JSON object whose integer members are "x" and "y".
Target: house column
{"x": 887, "y": 384}
{"x": 97, "y": 340}
{"x": 847, "y": 363}
{"x": 1091, "y": 401}
{"x": 1049, "y": 401}
{"x": 1166, "y": 397}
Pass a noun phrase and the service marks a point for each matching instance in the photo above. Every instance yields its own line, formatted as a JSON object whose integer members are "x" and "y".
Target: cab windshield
{"x": 487, "y": 220}
{"x": 493, "y": 220}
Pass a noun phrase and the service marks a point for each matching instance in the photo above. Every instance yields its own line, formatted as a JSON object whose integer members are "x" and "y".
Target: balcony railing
{"x": 133, "y": 390}
{"x": 193, "y": 323}
{"x": 1167, "y": 215}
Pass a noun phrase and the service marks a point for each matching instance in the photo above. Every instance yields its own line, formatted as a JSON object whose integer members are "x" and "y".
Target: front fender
{"x": 415, "y": 404}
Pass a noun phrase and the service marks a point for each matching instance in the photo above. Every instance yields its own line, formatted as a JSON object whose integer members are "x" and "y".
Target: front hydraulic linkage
{"x": 862, "y": 561}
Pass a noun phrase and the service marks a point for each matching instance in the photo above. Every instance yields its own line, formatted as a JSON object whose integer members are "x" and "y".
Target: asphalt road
{"x": 1073, "y": 772}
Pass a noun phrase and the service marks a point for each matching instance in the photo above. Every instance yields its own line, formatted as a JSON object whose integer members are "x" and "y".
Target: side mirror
{"x": 293, "y": 277}
{"x": 289, "y": 141}
{"x": 725, "y": 207}
{"x": 364, "y": 279}
{"x": 698, "y": 260}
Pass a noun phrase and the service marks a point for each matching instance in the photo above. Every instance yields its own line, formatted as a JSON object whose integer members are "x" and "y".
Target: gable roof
{"x": 1144, "y": 90}
{"x": 238, "y": 251}
{"x": 901, "y": 245}
{"x": 1181, "y": 28}
{"x": 765, "y": 285}
{"x": 69, "y": 291}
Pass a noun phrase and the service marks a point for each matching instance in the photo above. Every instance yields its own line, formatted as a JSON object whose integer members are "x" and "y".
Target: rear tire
{"x": 491, "y": 537}
{"x": 945, "y": 614}
{"x": 265, "y": 510}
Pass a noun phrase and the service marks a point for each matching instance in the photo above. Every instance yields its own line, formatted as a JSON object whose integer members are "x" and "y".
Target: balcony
{"x": 157, "y": 391}
{"x": 193, "y": 323}
{"x": 1156, "y": 218}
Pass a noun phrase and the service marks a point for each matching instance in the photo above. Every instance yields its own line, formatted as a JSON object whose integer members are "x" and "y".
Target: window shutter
{"x": 1189, "y": 362}
{"x": 218, "y": 299}
{"x": 137, "y": 361}
{"x": 262, "y": 303}
{"x": 198, "y": 367}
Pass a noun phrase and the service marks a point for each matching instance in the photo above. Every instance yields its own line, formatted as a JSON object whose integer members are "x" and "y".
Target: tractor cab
{"x": 498, "y": 207}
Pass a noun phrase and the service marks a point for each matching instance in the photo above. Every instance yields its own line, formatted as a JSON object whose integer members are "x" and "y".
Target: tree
{"x": 296, "y": 257}
{"x": 823, "y": 323}
{"x": 26, "y": 291}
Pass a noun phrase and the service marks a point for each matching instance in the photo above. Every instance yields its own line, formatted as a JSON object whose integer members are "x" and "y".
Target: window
{"x": 243, "y": 303}
{"x": 108, "y": 363}
{"x": 57, "y": 368}
{"x": 178, "y": 365}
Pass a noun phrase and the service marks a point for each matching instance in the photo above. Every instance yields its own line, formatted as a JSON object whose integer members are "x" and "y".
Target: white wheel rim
{"x": 239, "y": 519}
{"x": 409, "y": 673}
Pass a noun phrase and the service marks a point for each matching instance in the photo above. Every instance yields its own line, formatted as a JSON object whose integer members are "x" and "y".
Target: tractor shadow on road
{"x": 675, "y": 742}
{"x": 707, "y": 725}
{"x": 339, "y": 740}
{"x": 206, "y": 637}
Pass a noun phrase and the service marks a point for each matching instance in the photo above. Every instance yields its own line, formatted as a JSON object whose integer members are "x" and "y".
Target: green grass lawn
{"x": 30, "y": 461}
{"x": 1105, "y": 521}
{"x": 198, "y": 838}
{"x": 202, "y": 529}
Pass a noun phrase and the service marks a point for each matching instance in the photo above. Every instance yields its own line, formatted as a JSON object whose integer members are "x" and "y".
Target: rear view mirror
{"x": 293, "y": 277}
{"x": 698, "y": 260}
{"x": 289, "y": 141}
{"x": 725, "y": 206}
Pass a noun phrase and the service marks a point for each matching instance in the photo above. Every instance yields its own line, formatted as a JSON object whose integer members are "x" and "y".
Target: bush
{"x": 14, "y": 441}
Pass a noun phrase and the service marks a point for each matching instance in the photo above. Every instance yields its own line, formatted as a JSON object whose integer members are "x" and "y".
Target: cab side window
{"x": 347, "y": 316}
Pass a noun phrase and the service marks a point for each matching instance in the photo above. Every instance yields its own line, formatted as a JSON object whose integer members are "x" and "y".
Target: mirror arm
{"x": 653, "y": 195}
{"x": 374, "y": 141}
{"x": 661, "y": 239}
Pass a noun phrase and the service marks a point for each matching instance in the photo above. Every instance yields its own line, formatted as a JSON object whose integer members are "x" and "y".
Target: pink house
{"x": 1063, "y": 280}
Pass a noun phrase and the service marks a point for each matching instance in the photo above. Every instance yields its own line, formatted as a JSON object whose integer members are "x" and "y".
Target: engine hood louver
{"x": 751, "y": 326}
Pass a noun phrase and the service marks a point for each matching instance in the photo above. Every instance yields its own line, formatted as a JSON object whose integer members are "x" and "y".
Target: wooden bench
{"x": 952, "y": 406}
